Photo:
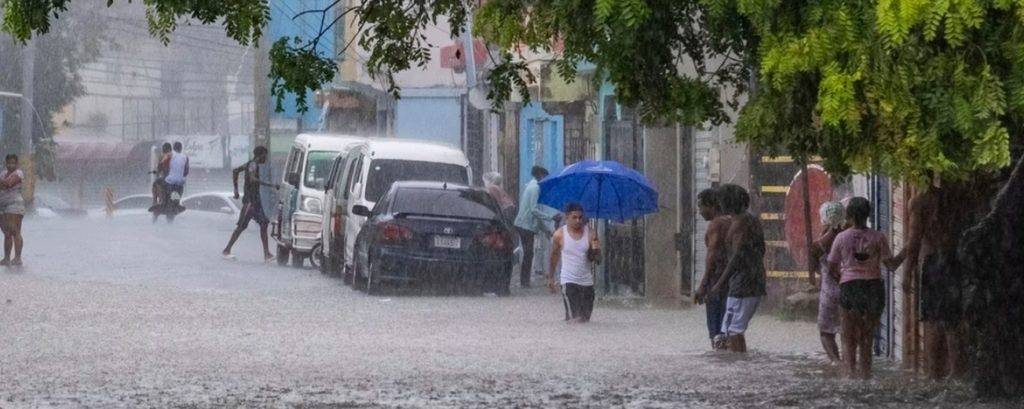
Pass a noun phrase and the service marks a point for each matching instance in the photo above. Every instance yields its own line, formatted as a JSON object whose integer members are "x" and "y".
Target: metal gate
{"x": 880, "y": 193}
{"x": 625, "y": 241}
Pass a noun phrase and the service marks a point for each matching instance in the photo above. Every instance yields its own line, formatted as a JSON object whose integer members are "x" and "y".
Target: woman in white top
{"x": 12, "y": 210}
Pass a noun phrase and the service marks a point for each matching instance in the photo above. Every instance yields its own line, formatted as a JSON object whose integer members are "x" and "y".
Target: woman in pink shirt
{"x": 856, "y": 260}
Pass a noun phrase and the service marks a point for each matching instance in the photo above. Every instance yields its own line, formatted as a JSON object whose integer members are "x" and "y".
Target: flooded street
{"x": 124, "y": 313}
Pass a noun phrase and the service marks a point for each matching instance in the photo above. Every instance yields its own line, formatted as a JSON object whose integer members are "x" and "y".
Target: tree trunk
{"x": 992, "y": 256}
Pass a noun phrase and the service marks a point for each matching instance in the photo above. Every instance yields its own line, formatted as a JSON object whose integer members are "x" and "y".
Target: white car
{"x": 213, "y": 202}
{"x": 220, "y": 203}
{"x": 131, "y": 205}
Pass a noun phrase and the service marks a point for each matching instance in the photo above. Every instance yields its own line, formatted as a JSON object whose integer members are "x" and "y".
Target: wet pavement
{"x": 125, "y": 313}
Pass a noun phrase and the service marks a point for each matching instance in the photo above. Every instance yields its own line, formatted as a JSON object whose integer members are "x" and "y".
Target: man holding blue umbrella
{"x": 575, "y": 247}
{"x": 595, "y": 189}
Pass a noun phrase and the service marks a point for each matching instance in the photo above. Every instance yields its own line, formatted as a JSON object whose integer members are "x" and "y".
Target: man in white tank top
{"x": 576, "y": 247}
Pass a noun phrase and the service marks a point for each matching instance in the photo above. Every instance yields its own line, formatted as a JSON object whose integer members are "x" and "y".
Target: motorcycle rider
{"x": 161, "y": 173}
{"x": 177, "y": 170}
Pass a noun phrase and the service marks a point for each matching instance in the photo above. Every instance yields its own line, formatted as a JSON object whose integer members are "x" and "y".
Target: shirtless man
{"x": 935, "y": 228}
{"x": 709, "y": 203}
{"x": 744, "y": 278}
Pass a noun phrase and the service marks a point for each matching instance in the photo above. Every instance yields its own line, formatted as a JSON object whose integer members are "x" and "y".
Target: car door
{"x": 352, "y": 223}
{"x": 328, "y": 207}
{"x": 290, "y": 192}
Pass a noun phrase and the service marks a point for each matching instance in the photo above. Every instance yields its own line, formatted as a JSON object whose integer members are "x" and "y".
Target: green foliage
{"x": 68, "y": 46}
{"x": 637, "y": 45}
{"x": 913, "y": 88}
{"x": 297, "y": 69}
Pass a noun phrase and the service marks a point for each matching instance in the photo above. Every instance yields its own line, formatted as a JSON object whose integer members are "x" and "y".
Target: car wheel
{"x": 370, "y": 287}
{"x": 282, "y": 255}
{"x": 316, "y": 259}
{"x": 346, "y": 273}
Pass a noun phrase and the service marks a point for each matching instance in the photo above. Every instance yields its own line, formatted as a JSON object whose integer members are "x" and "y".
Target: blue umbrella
{"x": 606, "y": 190}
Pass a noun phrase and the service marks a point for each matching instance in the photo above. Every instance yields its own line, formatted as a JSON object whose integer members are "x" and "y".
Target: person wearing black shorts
{"x": 855, "y": 260}
{"x": 252, "y": 208}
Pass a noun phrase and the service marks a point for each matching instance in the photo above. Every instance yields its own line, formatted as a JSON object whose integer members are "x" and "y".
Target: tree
{"x": 636, "y": 43}
{"x": 59, "y": 55}
{"x": 912, "y": 88}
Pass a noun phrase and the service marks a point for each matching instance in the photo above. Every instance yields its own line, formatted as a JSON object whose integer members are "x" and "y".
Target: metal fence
{"x": 625, "y": 241}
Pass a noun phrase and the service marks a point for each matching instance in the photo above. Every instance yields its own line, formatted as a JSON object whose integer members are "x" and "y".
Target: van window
{"x": 356, "y": 176}
{"x": 293, "y": 159}
{"x": 474, "y": 204}
{"x": 350, "y": 168}
{"x": 295, "y": 162}
{"x": 318, "y": 166}
{"x": 384, "y": 172}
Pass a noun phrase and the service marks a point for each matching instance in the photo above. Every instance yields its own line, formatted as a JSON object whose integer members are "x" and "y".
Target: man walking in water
{"x": 744, "y": 277}
{"x": 576, "y": 246}
{"x": 709, "y": 203}
{"x": 252, "y": 208}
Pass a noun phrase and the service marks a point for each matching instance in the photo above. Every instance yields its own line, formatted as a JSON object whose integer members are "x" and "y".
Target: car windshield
{"x": 318, "y": 168}
{"x": 449, "y": 203}
{"x": 384, "y": 172}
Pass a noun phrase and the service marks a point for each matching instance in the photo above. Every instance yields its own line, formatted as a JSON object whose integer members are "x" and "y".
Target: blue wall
{"x": 306, "y": 27}
{"x": 436, "y": 118}
{"x": 553, "y": 145}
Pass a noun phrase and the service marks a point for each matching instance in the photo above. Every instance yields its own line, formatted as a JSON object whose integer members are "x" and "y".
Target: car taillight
{"x": 496, "y": 240}
{"x": 394, "y": 233}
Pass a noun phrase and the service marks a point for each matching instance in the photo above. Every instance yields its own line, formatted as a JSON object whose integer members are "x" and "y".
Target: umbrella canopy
{"x": 606, "y": 190}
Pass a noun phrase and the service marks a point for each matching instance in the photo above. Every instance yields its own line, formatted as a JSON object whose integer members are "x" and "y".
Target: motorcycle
{"x": 168, "y": 202}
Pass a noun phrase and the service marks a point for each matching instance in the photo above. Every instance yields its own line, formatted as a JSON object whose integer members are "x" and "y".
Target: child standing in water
{"x": 856, "y": 261}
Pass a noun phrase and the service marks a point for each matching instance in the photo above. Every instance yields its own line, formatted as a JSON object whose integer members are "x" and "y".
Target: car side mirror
{"x": 226, "y": 210}
{"x": 360, "y": 210}
{"x": 293, "y": 179}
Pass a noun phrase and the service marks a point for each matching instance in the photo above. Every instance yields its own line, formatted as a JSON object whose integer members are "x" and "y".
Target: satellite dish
{"x": 478, "y": 99}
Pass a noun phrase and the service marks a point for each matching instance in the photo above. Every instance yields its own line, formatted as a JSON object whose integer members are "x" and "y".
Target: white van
{"x": 299, "y": 216}
{"x": 375, "y": 165}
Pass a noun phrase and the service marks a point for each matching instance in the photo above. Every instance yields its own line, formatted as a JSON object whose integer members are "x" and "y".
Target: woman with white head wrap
{"x": 492, "y": 182}
{"x": 833, "y": 218}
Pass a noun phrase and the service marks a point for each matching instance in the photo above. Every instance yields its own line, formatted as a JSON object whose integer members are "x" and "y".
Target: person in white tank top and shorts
{"x": 576, "y": 248}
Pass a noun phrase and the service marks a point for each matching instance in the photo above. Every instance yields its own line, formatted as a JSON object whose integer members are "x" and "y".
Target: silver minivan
{"x": 300, "y": 209}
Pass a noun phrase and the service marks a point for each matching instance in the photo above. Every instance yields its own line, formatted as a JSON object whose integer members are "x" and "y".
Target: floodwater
{"x": 125, "y": 313}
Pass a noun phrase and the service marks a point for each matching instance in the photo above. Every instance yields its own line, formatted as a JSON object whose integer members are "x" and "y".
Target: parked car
{"x": 369, "y": 170}
{"x": 213, "y": 202}
{"x": 48, "y": 207}
{"x": 436, "y": 234}
{"x": 131, "y": 205}
{"x": 300, "y": 210}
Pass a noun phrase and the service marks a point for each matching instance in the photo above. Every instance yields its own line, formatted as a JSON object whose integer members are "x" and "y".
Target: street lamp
{"x": 34, "y": 111}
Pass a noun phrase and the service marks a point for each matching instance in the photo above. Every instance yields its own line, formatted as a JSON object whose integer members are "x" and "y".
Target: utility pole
{"x": 28, "y": 111}
{"x": 28, "y": 57}
{"x": 261, "y": 93}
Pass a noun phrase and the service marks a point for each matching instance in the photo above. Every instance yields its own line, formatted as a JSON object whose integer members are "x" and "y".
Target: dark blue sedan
{"x": 435, "y": 235}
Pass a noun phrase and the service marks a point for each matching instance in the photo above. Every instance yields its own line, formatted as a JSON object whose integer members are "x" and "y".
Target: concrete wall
{"x": 661, "y": 261}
